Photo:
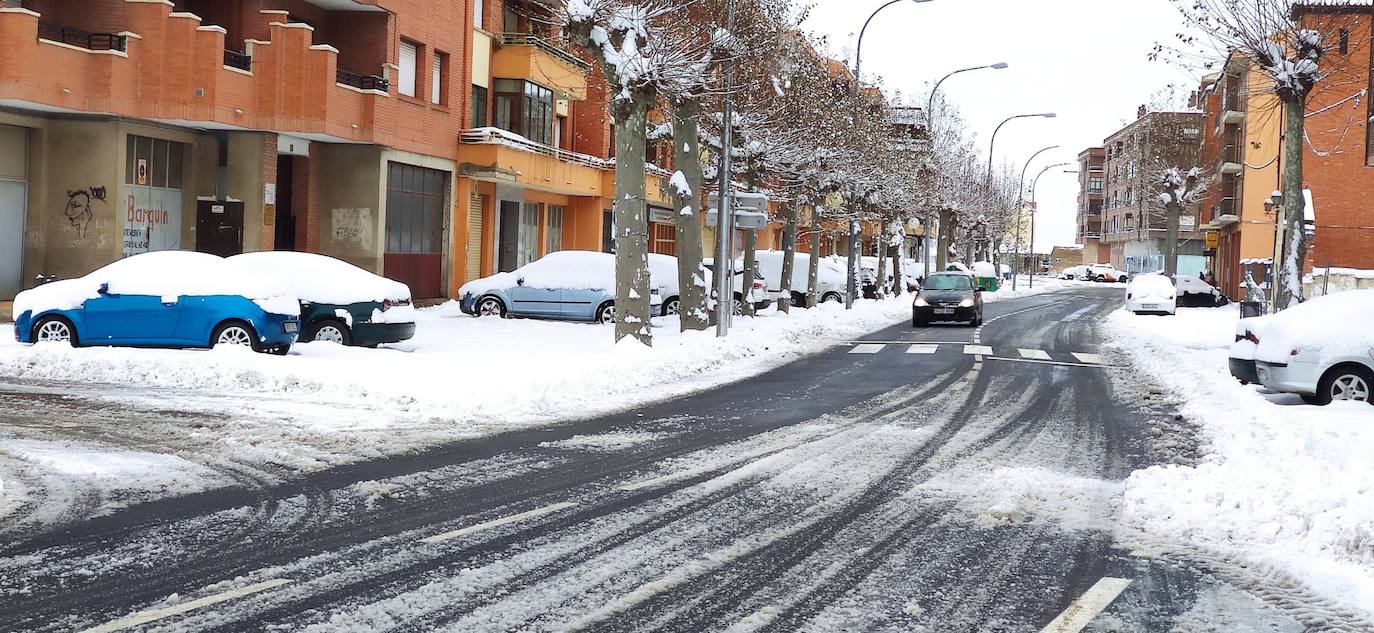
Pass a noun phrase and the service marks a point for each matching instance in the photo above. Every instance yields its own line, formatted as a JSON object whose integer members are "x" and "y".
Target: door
{"x": 417, "y": 203}
{"x": 129, "y": 319}
{"x": 545, "y": 302}
{"x": 219, "y": 227}
{"x": 13, "y": 194}
{"x": 509, "y": 230}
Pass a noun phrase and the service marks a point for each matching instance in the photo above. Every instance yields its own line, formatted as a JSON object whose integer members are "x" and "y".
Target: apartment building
{"x": 1134, "y": 220}
{"x": 432, "y": 141}
{"x": 1092, "y": 183}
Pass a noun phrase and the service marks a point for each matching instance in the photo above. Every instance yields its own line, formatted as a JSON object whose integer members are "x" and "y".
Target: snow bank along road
{"x": 942, "y": 479}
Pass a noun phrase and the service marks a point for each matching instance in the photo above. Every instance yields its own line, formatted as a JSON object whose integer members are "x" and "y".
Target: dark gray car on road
{"x": 948, "y": 297}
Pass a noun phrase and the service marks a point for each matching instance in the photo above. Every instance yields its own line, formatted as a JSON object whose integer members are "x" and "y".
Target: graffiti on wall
{"x": 78, "y": 209}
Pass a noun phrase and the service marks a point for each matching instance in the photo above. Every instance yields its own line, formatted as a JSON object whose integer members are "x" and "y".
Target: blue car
{"x": 161, "y": 299}
{"x": 566, "y": 285}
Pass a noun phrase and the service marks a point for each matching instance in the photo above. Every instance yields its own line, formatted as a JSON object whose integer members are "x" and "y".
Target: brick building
{"x": 1092, "y": 182}
{"x": 1134, "y": 221}
{"x": 432, "y": 141}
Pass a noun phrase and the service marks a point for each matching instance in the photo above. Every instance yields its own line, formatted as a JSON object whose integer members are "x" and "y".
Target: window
{"x": 524, "y": 108}
{"x": 529, "y": 233}
{"x": 559, "y": 132}
{"x": 409, "y": 54}
{"x": 436, "y": 78}
{"x": 1095, "y": 184}
{"x": 1345, "y": 41}
{"x": 553, "y": 233}
{"x": 479, "y": 106}
{"x": 153, "y": 162}
{"x": 510, "y": 19}
{"x": 607, "y": 231}
{"x": 478, "y": 9}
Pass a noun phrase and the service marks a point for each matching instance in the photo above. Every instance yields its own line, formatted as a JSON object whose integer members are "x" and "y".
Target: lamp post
{"x": 725, "y": 217}
{"x": 1035, "y": 184}
{"x": 993, "y": 144}
{"x": 930, "y": 127}
{"x": 852, "y": 286}
{"x": 1020, "y": 203}
{"x": 1275, "y": 203}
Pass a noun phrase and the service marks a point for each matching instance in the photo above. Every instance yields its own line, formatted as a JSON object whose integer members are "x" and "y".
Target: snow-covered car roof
{"x": 322, "y": 279}
{"x": 1190, "y": 284}
{"x": 158, "y": 274}
{"x": 558, "y": 270}
{"x": 1152, "y": 282}
{"x": 1333, "y": 324}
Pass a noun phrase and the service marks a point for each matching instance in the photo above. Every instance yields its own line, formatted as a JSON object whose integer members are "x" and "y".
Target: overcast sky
{"x": 1085, "y": 60}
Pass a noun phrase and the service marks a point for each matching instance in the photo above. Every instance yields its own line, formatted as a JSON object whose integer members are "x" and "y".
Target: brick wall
{"x": 591, "y": 133}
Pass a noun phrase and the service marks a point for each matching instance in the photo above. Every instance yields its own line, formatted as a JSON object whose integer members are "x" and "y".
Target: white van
{"x": 830, "y": 284}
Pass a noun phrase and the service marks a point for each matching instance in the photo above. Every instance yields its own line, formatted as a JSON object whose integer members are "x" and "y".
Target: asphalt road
{"x": 936, "y": 479}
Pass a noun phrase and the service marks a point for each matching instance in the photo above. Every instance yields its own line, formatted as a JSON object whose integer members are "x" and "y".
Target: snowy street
{"x": 932, "y": 479}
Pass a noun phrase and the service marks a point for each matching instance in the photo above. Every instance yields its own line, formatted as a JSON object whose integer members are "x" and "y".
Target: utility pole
{"x": 725, "y": 217}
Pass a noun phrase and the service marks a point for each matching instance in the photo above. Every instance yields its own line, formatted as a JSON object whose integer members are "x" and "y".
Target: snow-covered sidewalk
{"x": 323, "y": 405}
{"x": 1284, "y": 488}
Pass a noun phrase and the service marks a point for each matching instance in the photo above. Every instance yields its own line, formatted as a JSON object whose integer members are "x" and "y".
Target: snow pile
{"x": 1283, "y": 486}
{"x": 320, "y": 278}
{"x": 166, "y": 274}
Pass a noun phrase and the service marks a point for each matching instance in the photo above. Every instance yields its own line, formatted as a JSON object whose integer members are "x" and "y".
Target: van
{"x": 830, "y": 285}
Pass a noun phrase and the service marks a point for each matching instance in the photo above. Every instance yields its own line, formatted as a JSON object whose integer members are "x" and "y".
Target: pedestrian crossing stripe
{"x": 1034, "y": 354}
{"x": 922, "y": 349}
{"x": 1022, "y": 354}
{"x": 1091, "y": 359}
{"x": 978, "y": 350}
{"x": 867, "y": 348}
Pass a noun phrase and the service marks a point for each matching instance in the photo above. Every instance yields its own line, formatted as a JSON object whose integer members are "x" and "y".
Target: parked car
{"x": 1242, "y": 358}
{"x": 162, "y": 299}
{"x": 1106, "y": 273}
{"x": 566, "y": 285}
{"x": 758, "y": 288}
{"x": 1151, "y": 294}
{"x": 340, "y": 302}
{"x": 1320, "y": 349}
{"x": 1075, "y": 272}
{"x": 830, "y": 284}
{"x": 948, "y": 296}
{"x": 1196, "y": 293}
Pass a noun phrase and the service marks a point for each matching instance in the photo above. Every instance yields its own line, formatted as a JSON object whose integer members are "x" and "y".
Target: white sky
{"x": 1085, "y": 60}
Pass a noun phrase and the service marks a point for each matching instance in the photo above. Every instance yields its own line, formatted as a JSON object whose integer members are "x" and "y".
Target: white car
{"x": 1075, "y": 272}
{"x": 1320, "y": 349}
{"x": 663, "y": 271}
{"x": 1106, "y": 273}
{"x": 830, "y": 284}
{"x": 1152, "y": 294}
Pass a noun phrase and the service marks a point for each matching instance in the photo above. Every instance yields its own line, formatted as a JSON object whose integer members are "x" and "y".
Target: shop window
{"x": 553, "y": 232}
{"x": 153, "y": 162}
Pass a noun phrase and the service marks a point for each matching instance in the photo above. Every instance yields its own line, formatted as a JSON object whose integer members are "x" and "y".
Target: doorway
{"x": 13, "y": 202}
{"x": 285, "y": 217}
{"x": 509, "y": 229}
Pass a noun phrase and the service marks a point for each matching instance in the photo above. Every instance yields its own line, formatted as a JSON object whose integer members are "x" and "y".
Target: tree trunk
{"x": 1289, "y": 277}
{"x": 631, "y": 226}
{"x": 789, "y": 257}
{"x": 751, "y": 239}
{"x": 691, "y": 275}
{"x": 813, "y": 266}
{"x": 880, "y": 281}
{"x": 1171, "y": 238}
{"x": 898, "y": 285}
{"x": 942, "y": 240}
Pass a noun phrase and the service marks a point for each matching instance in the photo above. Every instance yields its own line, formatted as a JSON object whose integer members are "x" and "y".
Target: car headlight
{"x": 966, "y": 303}
{"x": 921, "y": 302}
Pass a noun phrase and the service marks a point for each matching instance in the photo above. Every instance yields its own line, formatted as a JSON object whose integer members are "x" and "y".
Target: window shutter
{"x": 408, "y": 56}
{"x": 436, "y": 82}
{"x": 478, "y": 8}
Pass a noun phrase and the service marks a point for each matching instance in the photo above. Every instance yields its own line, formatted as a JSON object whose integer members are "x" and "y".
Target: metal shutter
{"x": 408, "y": 56}
{"x": 475, "y": 206}
{"x": 436, "y": 79}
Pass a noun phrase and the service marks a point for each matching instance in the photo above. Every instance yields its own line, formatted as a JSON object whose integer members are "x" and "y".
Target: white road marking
{"x": 922, "y": 349}
{"x": 514, "y": 518}
{"x": 1080, "y": 313}
{"x": 1034, "y": 354}
{"x": 144, "y": 617}
{"x": 1093, "y": 359}
{"x": 1049, "y": 362}
{"x": 978, "y": 350}
{"x": 1082, "y": 611}
{"x": 867, "y": 348}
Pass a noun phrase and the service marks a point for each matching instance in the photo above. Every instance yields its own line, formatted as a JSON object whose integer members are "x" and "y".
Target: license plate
{"x": 944, "y": 310}
{"x": 1150, "y": 306}
{"x": 292, "y": 326}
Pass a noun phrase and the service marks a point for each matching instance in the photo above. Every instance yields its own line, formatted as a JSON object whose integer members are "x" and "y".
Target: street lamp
{"x": 1275, "y": 204}
{"x": 1020, "y": 202}
{"x": 1035, "y": 184}
{"x": 930, "y": 127}
{"x": 993, "y": 145}
{"x": 851, "y": 286}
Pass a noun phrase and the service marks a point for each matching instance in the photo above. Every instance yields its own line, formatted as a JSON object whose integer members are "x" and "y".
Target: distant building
{"x": 1134, "y": 219}
{"x": 1092, "y": 184}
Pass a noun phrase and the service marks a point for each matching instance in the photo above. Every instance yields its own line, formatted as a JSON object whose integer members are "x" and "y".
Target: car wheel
{"x": 915, "y": 322}
{"x": 232, "y": 333}
{"x": 672, "y": 306}
{"x": 332, "y": 331}
{"x": 1345, "y": 382}
{"x": 832, "y": 297}
{"x": 606, "y": 313}
{"x": 491, "y": 306}
{"x": 54, "y": 329}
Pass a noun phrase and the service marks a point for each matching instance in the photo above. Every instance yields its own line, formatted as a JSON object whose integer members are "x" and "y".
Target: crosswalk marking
{"x": 978, "y": 350}
{"x": 922, "y": 349}
{"x": 1034, "y": 354}
{"x": 867, "y": 348}
{"x": 1092, "y": 359}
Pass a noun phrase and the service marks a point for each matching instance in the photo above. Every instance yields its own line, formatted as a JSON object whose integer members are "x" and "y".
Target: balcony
{"x": 361, "y": 82}
{"x": 495, "y": 155}
{"x": 82, "y": 39}
{"x": 1230, "y": 161}
{"x": 523, "y": 56}
{"x": 239, "y": 60}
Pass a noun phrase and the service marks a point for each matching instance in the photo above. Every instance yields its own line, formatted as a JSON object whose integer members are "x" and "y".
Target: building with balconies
{"x": 1092, "y": 184}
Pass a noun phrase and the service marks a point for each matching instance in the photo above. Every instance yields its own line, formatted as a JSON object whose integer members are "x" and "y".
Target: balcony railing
{"x": 82, "y": 39}
{"x": 235, "y": 59}
{"x": 525, "y": 39}
{"x": 498, "y": 136}
{"x": 362, "y": 82}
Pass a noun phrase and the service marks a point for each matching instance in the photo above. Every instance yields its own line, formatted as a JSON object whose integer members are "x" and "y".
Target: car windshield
{"x": 949, "y": 282}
